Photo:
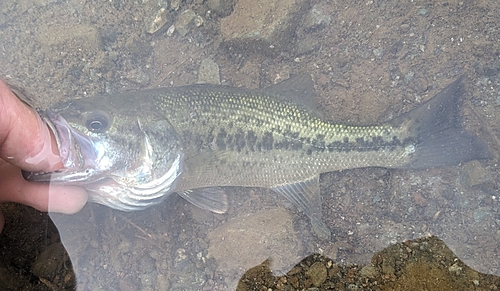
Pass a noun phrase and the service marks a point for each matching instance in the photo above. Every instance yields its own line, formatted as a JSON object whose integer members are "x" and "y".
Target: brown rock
{"x": 317, "y": 273}
{"x": 263, "y": 26}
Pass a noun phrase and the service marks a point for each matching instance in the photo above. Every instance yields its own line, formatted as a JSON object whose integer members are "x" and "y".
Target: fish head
{"x": 127, "y": 157}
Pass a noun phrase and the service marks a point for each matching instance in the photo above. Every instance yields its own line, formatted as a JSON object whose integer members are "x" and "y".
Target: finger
{"x": 44, "y": 197}
{"x": 25, "y": 140}
{"x": 66, "y": 200}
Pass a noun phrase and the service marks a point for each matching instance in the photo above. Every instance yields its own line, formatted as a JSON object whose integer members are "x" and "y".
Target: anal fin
{"x": 307, "y": 197}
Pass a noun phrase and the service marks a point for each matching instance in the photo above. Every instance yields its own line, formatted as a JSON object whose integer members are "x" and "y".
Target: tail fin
{"x": 441, "y": 137}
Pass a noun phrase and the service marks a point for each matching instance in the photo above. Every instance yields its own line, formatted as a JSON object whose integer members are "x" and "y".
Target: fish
{"x": 131, "y": 150}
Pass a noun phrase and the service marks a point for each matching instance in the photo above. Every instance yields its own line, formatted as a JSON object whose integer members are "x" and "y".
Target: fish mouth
{"x": 78, "y": 153}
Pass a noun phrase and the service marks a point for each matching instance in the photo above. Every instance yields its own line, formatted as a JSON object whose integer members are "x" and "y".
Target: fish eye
{"x": 97, "y": 121}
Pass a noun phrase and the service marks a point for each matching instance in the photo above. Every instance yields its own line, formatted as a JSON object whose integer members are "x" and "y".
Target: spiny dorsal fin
{"x": 298, "y": 90}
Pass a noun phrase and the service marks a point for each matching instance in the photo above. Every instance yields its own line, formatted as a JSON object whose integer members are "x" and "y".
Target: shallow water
{"x": 370, "y": 62}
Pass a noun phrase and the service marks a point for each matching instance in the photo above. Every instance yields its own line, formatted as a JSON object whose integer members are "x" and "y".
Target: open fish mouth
{"x": 79, "y": 154}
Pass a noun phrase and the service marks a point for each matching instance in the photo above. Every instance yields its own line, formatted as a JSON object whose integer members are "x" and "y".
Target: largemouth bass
{"x": 131, "y": 150}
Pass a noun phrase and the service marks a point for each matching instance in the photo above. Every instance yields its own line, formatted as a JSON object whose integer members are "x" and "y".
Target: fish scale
{"x": 274, "y": 134}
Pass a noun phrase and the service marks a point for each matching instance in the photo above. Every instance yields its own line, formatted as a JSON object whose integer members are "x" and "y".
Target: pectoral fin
{"x": 307, "y": 197}
{"x": 213, "y": 199}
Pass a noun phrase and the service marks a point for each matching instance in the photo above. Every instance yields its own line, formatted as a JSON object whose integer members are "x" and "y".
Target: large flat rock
{"x": 263, "y": 26}
{"x": 249, "y": 240}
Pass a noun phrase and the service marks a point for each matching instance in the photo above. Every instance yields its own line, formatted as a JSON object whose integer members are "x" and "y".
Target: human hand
{"x": 27, "y": 143}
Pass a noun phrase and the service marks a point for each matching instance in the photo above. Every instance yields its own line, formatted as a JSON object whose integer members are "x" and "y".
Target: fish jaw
{"x": 81, "y": 157}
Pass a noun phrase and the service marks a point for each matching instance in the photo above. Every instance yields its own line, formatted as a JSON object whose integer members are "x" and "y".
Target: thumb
{"x": 25, "y": 140}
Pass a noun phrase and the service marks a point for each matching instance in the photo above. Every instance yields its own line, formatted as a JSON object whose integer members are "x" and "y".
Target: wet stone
{"x": 316, "y": 18}
{"x": 161, "y": 281}
{"x": 148, "y": 279}
{"x": 124, "y": 247}
{"x": 481, "y": 214}
{"x": 423, "y": 11}
{"x": 455, "y": 268}
{"x": 47, "y": 263}
{"x": 378, "y": 53}
{"x": 221, "y": 7}
{"x": 147, "y": 263}
{"x": 198, "y": 21}
{"x": 201, "y": 216}
{"x": 475, "y": 174}
{"x": 189, "y": 277}
{"x": 138, "y": 48}
{"x": 262, "y": 26}
{"x": 419, "y": 199}
{"x": 175, "y": 4}
{"x": 317, "y": 272}
{"x": 249, "y": 240}
{"x": 369, "y": 271}
{"x": 184, "y": 21}
{"x": 171, "y": 30}
{"x": 138, "y": 76}
{"x": 404, "y": 27}
{"x": 85, "y": 35}
{"x": 156, "y": 15}
{"x": 208, "y": 72}
{"x": 156, "y": 21}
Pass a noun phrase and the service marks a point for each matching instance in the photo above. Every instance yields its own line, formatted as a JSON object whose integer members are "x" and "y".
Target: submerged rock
{"x": 262, "y": 26}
